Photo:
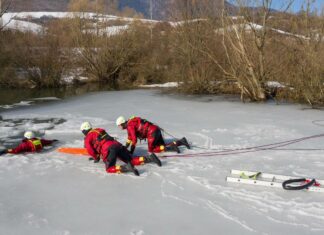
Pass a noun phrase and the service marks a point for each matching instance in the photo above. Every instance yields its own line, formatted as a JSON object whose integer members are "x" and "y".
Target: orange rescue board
{"x": 76, "y": 151}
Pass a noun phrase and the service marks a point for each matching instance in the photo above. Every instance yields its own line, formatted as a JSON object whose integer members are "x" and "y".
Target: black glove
{"x": 4, "y": 151}
{"x": 55, "y": 140}
{"x": 132, "y": 149}
{"x": 94, "y": 160}
{"x": 127, "y": 145}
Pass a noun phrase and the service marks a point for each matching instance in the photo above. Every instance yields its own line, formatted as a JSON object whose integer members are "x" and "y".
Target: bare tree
{"x": 195, "y": 46}
{"x": 308, "y": 57}
{"x": 4, "y": 6}
{"x": 245, "y": 41}
{"x": 245, "y": 46}
{"x": 4, "y": 56}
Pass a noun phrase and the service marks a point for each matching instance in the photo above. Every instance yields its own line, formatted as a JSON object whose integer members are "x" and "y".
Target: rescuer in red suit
{"x": 138, "y": 128}
{"x": 29, "y": 144}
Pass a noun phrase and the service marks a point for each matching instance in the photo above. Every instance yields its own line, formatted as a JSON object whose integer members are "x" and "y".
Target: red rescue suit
{"x": 142, "y": 129}
{"x": 93, "y": 142}
{"x": 107, "y": 147}
{"x": 109, "y": 150}
{"x": 30, "y": 145}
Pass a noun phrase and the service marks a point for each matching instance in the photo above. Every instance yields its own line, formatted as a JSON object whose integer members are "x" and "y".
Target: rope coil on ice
{"x": 306, "y": 184}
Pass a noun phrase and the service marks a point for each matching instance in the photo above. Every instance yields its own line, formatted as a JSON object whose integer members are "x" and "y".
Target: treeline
{"x": 260, "y": 54}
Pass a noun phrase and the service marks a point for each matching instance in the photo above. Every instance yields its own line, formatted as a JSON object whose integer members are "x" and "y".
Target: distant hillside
{"x": 38, "y": 5}
{"x": 161, "y": 8}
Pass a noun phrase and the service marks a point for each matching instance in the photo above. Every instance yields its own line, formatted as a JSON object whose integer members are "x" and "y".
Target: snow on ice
{"x": 54, "y": 193}
{"x": 164, "y": 85}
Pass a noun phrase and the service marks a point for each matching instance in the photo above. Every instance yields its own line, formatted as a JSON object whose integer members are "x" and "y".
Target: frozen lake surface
{"x": 53, "y": 193}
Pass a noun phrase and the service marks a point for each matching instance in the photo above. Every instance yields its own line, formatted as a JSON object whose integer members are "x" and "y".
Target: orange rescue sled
{"x": 76, "y": 151}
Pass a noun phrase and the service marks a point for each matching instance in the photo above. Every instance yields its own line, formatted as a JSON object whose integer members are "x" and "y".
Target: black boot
{"x": 184, "y": 142}
{"x": 129, "y": 168}
{"x": 152, "y": 158}
{"x": 172, "y": 148}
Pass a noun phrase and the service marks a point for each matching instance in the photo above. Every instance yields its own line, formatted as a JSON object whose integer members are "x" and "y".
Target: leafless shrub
{"x": 108, "y": 59}
{"x": 42, "y": 58}
{"x": 192, "y": 64}
{"x": 207, "y": 52}
{"x": 303, "y": 59}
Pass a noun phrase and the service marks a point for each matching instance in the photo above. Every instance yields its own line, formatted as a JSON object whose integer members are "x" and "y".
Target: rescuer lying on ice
{"x": 99, "y": 144}
{"x": 29, "y": 144}
{"x": 138, "y": 128}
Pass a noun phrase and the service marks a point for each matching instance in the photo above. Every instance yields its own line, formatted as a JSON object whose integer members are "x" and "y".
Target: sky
{"x": 281, "y": 4}
{"x": 298, "y": 4}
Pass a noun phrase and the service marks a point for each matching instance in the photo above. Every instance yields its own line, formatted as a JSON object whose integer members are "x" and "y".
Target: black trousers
{"x": 158, "y": 138}
{"x": 117, "y": 151}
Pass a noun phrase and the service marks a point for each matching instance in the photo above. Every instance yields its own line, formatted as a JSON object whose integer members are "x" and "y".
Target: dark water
{"x": 14, "y": 96}
{"x": 10, "y": 99}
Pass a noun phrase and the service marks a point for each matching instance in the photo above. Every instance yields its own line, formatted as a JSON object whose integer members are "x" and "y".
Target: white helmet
{"x": 86, "y": 126}
{"x": 29, "y": 135}
{"x": 120, "y": 120}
